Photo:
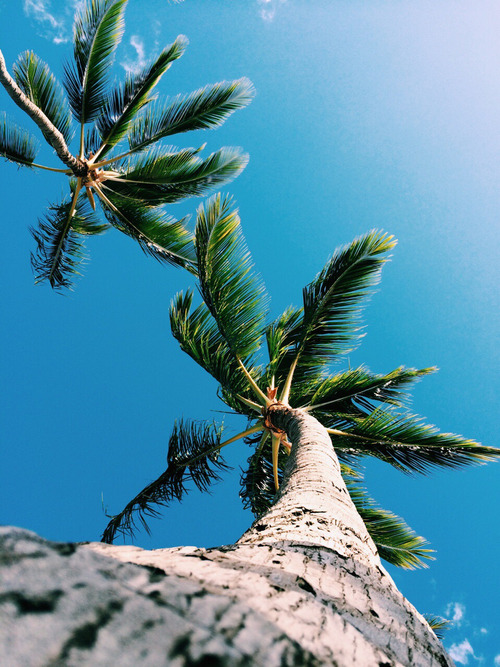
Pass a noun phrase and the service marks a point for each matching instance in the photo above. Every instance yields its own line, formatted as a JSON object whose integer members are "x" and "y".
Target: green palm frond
{"x": 203, "y": 109}
{"x": 193, "y": 456}
{"x": 16, "y": 144}
{"x": 332, "y": 302}
{"x": 356, "y": 391}
{"x": 232, "y": 292}
{"x": 165, "y": 177}
{"x": 406, "y": 442}
{"x": 158, "y": 234}
{"x": 257, "y": 489}
{"x": 438, "y": 624}
{"x": 124, "y": 102}
{"x": 199, "y": 337}
{"x": 396, "y": 542}
{"x": 37, "y": 82}
{"x": 97, "y": 31}
{"x": 59, "y": 241}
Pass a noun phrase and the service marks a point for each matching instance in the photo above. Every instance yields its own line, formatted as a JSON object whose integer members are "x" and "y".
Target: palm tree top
{"x": 365, "y": 413}
{"x": 119, "y": 162}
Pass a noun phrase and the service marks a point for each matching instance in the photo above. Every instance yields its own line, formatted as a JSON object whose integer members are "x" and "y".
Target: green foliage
{"x": 37, "y": 82}
{"x": 119, "y": 163}
{"x": 193, "y": 456}
{"x": 97, "y": 32}
{"x": 438, "y": 624}
{"x": 234, "y": 295}
{"x": 16, "y": 144}
{"x": 201, "y": 110}
{"x": 59, "y": 241}
{"x": 364, "y": 412}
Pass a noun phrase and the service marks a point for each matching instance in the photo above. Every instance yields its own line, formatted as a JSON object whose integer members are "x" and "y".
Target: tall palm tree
{"x": 119, "y": 161}
{"x": 309, "y": 428}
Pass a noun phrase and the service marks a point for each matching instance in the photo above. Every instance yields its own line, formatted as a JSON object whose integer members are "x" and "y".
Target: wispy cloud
{"x": 53, "y": 25}
{"x": 461, "y": 652}
{"x": 132, "y": 65}
{"x": 496, "y": 662}
{"x": 455, "y": 612}
{"x": 268, "y": 8}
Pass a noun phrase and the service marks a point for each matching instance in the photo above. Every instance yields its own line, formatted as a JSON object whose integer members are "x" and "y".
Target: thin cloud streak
{"x": 269, "y": 8}
{"x": 57, "y": 27}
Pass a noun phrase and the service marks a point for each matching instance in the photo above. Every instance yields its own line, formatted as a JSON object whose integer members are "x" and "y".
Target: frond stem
{"x": 255, "y": 387}
{"x": 66, "y": 226}
{"x": 285, "y": 395}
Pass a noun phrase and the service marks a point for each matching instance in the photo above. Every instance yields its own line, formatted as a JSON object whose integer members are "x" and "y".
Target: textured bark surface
{"x": 51, "y": 133}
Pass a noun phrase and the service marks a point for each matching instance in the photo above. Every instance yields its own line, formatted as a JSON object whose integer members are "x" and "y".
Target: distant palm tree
{"x": 293, "y": 476}
{"x": 132, "y": 181}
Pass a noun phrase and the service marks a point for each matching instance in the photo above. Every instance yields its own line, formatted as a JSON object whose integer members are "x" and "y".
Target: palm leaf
{"x": 356, "y": 391}
{"x": 16, "y": 144}
{"x": 158, "y": 234}
{"x": 165, "y": 177}
{"x": 233, "y": 294}
{"x": 37, "y": 82}
{"x": 438, "y": 624}
{"x": 396, "y": 542}
{"x": 332, "y": 303}
{"x": 59, "y": 242}
{"x": 199, "y": 337}
{"x": 406, "y": 442}
{"x": 281, "y": 340}
{"x": 257, "y": 489}
{"x": 124, "y": 102}
{"x": 97, "y": 31}
{"x": 193, "y": 455}
{"x": 203, "y": 109}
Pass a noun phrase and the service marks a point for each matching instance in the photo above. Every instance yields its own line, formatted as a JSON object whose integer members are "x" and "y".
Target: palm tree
{"x": 295, "y": 408}
{"x": 119, "y": 161}
{"x": 310, "y": 560}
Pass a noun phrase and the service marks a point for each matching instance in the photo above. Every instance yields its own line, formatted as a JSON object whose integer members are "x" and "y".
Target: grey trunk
{"x": 303, "y": 586}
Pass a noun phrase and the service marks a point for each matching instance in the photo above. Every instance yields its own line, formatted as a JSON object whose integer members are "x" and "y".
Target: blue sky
{"x": 374, "y": 114}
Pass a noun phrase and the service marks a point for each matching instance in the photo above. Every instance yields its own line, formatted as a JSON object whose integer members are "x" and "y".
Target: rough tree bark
{"x": 303, "y": 586}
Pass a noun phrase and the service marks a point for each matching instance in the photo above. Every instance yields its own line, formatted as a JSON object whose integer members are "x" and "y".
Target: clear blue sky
{"x": 372, "y": 114}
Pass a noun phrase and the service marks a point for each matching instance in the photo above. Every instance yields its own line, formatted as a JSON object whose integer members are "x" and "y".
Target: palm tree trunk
{"x": 313, "y": 505}
{"x": 50, "y": 132}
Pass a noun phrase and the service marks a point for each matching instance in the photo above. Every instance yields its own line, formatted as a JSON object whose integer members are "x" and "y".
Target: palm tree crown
{"x": 363, "y": 412}
{"x": 119, "y": 162}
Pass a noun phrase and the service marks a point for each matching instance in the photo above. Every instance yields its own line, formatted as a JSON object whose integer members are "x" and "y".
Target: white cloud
{"x": 56, "y": 26}
{"x": 138, "y": 63}
{"x": 269, "y": 8}
{"x": 484, "y": 631}
{"x": 455, "y": 612}
{"x": 461, "y": 652}
{"x": 496, "y": 662}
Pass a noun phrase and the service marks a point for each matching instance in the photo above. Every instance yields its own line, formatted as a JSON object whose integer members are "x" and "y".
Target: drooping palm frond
{"x": 165, "y": 177}
{"x": 257, "y": 487}
{"x": 396, "y": 542}
{"x": 203, "y": 109}
{"x": 193, "y": 456}
{"x": 126, "y": 100}
{"x": 357, "y": 391}
{"x": 38, "y": 83}
{"x": 234, "y": 295}
{"x": 16, "y": 144}
{"x": 438, "y": 624}
{"x": 332, "y": 303}
{"x": 158, "y": 234}
{"x": 98, "y": 29}
{"x": 405, "y": 442}
{"x": 199, "y": 337}
{"x": 59, "y": 241}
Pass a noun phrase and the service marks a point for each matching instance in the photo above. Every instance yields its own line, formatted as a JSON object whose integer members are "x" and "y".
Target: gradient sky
{"x": 374, "y": 114}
